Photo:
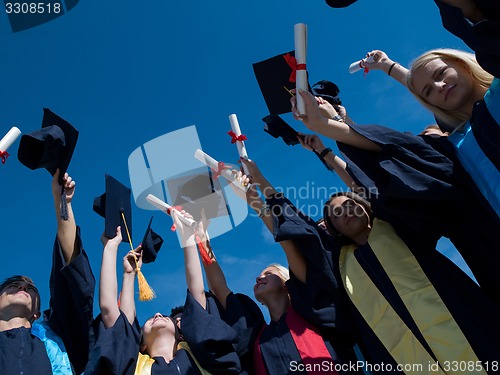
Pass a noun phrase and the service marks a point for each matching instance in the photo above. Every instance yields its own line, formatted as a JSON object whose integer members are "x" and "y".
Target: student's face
{"x": 446, "y": 85}
{"x": 269, "y": 281}
{"x": 347, "y": 216}
{"x": 155, "y": 326}
{"x": 22, "y": 294}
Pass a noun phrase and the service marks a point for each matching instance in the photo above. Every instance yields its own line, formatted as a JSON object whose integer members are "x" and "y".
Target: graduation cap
{"x": 328, "y": 91}
{"x": 23, "y": 16}
{"x": 50, "y": 147}
{"x": 277, "y": 127}
{"x": 340, "y": 3}
{"x": 151, "y": 244}
{"x": 276, "y": 79}
{"x": 198, "y": 192}
{"x": 114, "y": 205}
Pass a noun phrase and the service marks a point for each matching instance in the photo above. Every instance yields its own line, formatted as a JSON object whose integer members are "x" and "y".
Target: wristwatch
{"x": 338, "y": 118}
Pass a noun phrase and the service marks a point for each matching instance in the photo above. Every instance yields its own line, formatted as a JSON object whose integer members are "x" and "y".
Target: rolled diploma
{"x": 235, "y": 126}
{"x": 214, "y": 164}
{"x": 165, "y": 207}
{"x": 358, "y": 65}
{"x": 9, "y": 138}
{"x": 300, "y": 38}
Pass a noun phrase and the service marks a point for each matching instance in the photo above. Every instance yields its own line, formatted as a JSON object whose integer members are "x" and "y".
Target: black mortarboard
{"x": 276, "y": 78}
{"x": 50, "y": 147}
{"x": 197, "y": 192}
{"x": 111, "y": 205}
{"x": 340, "y": 3}
{"x": 328, "y": 91}
{"x": 151, "y": 244}
{"x": 277, "y": 127}
{"x": 21, "y": 19}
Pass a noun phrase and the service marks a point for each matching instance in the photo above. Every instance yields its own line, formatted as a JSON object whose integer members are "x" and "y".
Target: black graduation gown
{"x": 280, "y": 354}
{"x": 474, "y": 312}
{"x": 209, "y": 338}
{"x": 418, "y": 185}
{"x": 69, "y": 316}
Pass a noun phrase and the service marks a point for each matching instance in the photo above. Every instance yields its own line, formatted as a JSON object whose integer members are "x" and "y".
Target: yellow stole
{"x": 432, "y": 317}
{"x": 145, "y": 362}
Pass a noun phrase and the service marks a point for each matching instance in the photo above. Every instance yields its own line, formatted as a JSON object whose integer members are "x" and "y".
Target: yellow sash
{"x": 145, "y": 362}
{"x": 429, "y": 312}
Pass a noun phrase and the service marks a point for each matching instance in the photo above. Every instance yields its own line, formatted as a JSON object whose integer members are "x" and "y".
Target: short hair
{"x": 452, "y": 118}
{"x": 283, "y": 272}
{"x": 328, "y": 222}
{"x": 19, "y": 278}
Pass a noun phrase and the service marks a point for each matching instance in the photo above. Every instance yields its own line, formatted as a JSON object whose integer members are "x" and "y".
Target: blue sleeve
{"x": 71, "y": 303}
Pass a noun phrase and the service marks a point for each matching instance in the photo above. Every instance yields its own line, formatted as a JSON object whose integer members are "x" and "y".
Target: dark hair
{"x": 327, "y": 209}
{"x": 176, "y": 310}
{"x": 25, "y": 279}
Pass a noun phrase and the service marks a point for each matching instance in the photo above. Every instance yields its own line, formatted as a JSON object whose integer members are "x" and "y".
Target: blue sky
{"x": 124, "y": 73}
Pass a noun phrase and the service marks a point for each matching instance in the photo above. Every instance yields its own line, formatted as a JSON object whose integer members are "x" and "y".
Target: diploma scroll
{"x": 214, "y": 165}
{"x": 300, "y": 37}
{"x": 165, "y": 207}
{"x": 242, "y": 151}
{"x": 358, "y": 65}
{"x": 9, "y": 138}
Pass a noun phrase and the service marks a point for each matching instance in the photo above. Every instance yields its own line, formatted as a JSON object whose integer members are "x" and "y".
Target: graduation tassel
{"x": 205, "y": 257}
{"x": 146, "y": 293}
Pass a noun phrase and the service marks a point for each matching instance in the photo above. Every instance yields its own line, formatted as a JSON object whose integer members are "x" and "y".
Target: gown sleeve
{"x": 482, "y": 37}
{"x": 211, "y": 340}
{"x": 70, "y": 314}
{"x": 116, "y": 348}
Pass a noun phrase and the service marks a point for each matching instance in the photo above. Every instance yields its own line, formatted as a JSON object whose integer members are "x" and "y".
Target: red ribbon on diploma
{"x": 235, "y": 138}
{"x": 292, "y": 63}
{"x": 4, "y": 155}
{"x": 169, "y": 210}
{"x": 220, "y": 168}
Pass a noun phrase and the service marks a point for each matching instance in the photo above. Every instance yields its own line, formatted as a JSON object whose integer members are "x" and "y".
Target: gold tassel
{"x": 146, "y": 293}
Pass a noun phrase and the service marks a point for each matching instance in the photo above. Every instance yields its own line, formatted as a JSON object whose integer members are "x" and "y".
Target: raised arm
{"x": 336, "y": 130}
{"x": 194, "y": 276}
{"x": 66, "y": 229}
{"x": 108, "y": 285}
{"x": 131, "y": 262}
{"x": 392, "y": 68}
{"x": 313, "y": 142}
{"x": 296, "y": 261}
{"x": 469, "y": 9}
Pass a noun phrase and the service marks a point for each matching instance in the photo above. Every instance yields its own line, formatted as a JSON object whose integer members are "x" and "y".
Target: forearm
{"x": 66, "y": 232}
{"x": 341, "y": 132}
{"x": 217, "y": 281}
{"x": 194, "y": 277}
{"x": 469, "y": 9}
{"x": 108, "y": 287}
{"x": 339, "y": 166}
{"x": 127, "y": 300}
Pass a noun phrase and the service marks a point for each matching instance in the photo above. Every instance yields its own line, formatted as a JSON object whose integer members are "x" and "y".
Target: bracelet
{"x": 324, "y": 152}
{"x": 390, "y": 69}
{"x": 338, "y": 118}
{"x": 264, "y": 210}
